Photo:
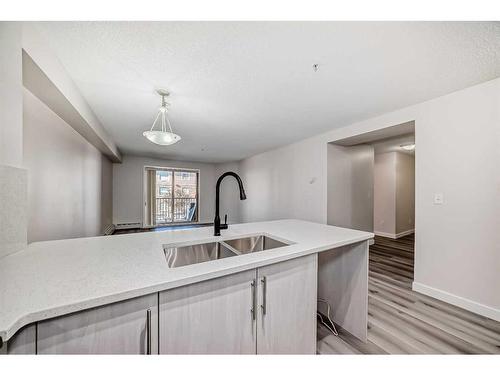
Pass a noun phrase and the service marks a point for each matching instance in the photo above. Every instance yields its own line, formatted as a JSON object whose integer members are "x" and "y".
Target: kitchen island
{"x": 117, "y": 294}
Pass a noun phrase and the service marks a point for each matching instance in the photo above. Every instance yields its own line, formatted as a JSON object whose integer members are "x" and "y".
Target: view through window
{"x": 176, "y": 196}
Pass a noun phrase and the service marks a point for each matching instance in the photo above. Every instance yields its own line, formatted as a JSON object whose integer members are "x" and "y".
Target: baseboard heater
{"x": 128, "y": 225}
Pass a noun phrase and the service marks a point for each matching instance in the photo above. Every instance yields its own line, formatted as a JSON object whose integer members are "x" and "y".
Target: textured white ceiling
{"x": 239, "y": 88}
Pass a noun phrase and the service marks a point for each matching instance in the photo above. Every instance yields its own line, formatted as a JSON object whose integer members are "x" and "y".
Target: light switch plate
{"x": 438, "y": 198}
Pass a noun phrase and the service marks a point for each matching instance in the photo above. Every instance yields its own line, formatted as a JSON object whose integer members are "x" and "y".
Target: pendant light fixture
{"x": 164, "y": 136}
{"x": 408, "y": 146}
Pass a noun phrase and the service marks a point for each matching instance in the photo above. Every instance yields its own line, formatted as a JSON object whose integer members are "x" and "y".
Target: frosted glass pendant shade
{"x": 164, "y": 136}
{"x": 161, "y": 138}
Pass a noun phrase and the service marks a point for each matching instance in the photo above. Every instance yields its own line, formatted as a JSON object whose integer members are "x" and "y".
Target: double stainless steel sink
{"x": 186, "y": 254}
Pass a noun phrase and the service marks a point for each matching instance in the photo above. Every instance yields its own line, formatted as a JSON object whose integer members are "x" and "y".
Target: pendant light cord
{"x": 164, "y": 119}
{"x": 168, "y": 122}
{"x": 163, "y": 127}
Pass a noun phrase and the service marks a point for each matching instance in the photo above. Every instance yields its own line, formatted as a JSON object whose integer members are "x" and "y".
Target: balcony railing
{"x": 165, "y": 213}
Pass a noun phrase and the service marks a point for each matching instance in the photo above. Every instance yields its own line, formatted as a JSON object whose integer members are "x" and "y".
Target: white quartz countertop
{"x": 54, "y": 278}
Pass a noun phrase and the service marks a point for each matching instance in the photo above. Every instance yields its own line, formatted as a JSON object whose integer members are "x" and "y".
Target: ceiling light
{"x": 408, "y": 147}
{"x": 164, "y": 136}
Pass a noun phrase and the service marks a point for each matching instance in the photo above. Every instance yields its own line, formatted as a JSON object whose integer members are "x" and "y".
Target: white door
{"x": 210, "y": 317}
{"x": 128, "y": 327}
{"x": 286, "y": 322}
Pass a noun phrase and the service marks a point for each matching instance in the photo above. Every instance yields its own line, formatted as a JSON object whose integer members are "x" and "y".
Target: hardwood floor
{"x": 401, "y": 321}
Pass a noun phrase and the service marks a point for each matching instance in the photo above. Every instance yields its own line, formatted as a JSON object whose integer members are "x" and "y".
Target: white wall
{"x": 457, "y": 254}
{"x": 106, "y": 192}
{"x": 384, "y": 190}
{"x": 13, "y": 206}
{"x": 51, "y": 215}
{"x": 289, "y": 182}
{"x": 69, "y": 181}
{"x": 11, "y": 95}
{"x": 405, "y": 193}
{"x": 394, "y": 191}
{"x": 128, "y": 187}
{"x": 350, "y": 186}
{"x": 458, "y": 154}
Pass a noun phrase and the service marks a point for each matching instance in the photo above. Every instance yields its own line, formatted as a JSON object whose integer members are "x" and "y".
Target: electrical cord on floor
{"x": 330, "y": 326}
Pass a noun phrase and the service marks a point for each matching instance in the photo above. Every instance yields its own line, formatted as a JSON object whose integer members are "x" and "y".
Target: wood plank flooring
{"x": 401, "y": 321}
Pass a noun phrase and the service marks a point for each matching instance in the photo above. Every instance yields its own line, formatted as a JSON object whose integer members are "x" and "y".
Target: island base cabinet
{"x": 210, "y": 317}
{"x": 269, "y": 310}
{"x": 127, "y": 327}
{"x": 286, "y": 321}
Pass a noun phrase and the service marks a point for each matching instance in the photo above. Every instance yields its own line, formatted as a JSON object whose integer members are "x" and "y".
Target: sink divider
{"x": 229, "y": 247}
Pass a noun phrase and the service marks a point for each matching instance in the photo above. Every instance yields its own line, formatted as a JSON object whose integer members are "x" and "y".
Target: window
{"x": 164, "y": 190}
{"x": 175, "y": 197}
{"x": 163, "y": 175}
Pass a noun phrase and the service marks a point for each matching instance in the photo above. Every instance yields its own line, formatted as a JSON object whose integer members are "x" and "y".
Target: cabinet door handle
{"x": 264, "y": 295}
{"x": 254, "y": 299}
{"x": 148, "y": 331}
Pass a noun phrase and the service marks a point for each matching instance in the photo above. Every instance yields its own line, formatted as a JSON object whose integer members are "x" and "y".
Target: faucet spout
{"x": 217, "y": 224}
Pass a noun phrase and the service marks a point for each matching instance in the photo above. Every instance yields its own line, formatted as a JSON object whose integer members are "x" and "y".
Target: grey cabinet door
{"x": 286, "y": 322}
{"x": 119, "y": 328}
{"x": 210, "y": 317}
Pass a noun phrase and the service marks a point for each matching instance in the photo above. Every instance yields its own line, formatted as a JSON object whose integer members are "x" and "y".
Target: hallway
{"x": 402, "y": 321}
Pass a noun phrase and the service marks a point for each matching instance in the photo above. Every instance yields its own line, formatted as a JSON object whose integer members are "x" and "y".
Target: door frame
{"x": 373, "y": 135}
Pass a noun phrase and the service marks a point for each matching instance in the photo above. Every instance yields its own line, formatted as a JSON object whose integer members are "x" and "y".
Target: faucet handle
{"x": 224, "y": 226}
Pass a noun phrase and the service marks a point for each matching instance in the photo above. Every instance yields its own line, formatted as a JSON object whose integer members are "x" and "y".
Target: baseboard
{"x": 384, "y": 234}
{"x": 394, "y": 236}
{"x": 405, "y": 233}
{"x": 455, "y": 300}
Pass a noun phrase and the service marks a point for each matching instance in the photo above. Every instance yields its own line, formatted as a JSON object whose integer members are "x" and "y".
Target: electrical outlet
{"x": 438, "y": 198}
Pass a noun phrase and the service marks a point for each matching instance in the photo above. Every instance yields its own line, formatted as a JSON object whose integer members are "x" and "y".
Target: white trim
{"x": 464, "y": 303}
{"x": 384, "y": 234}
{"x": 405, "y": 233}
{"x": 394, "y": 236}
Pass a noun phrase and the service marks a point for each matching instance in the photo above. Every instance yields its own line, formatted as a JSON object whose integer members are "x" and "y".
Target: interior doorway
{"x": 371, "y": 187}
{"x": 394, "y": 187}
{"x": 371, "y": 175}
